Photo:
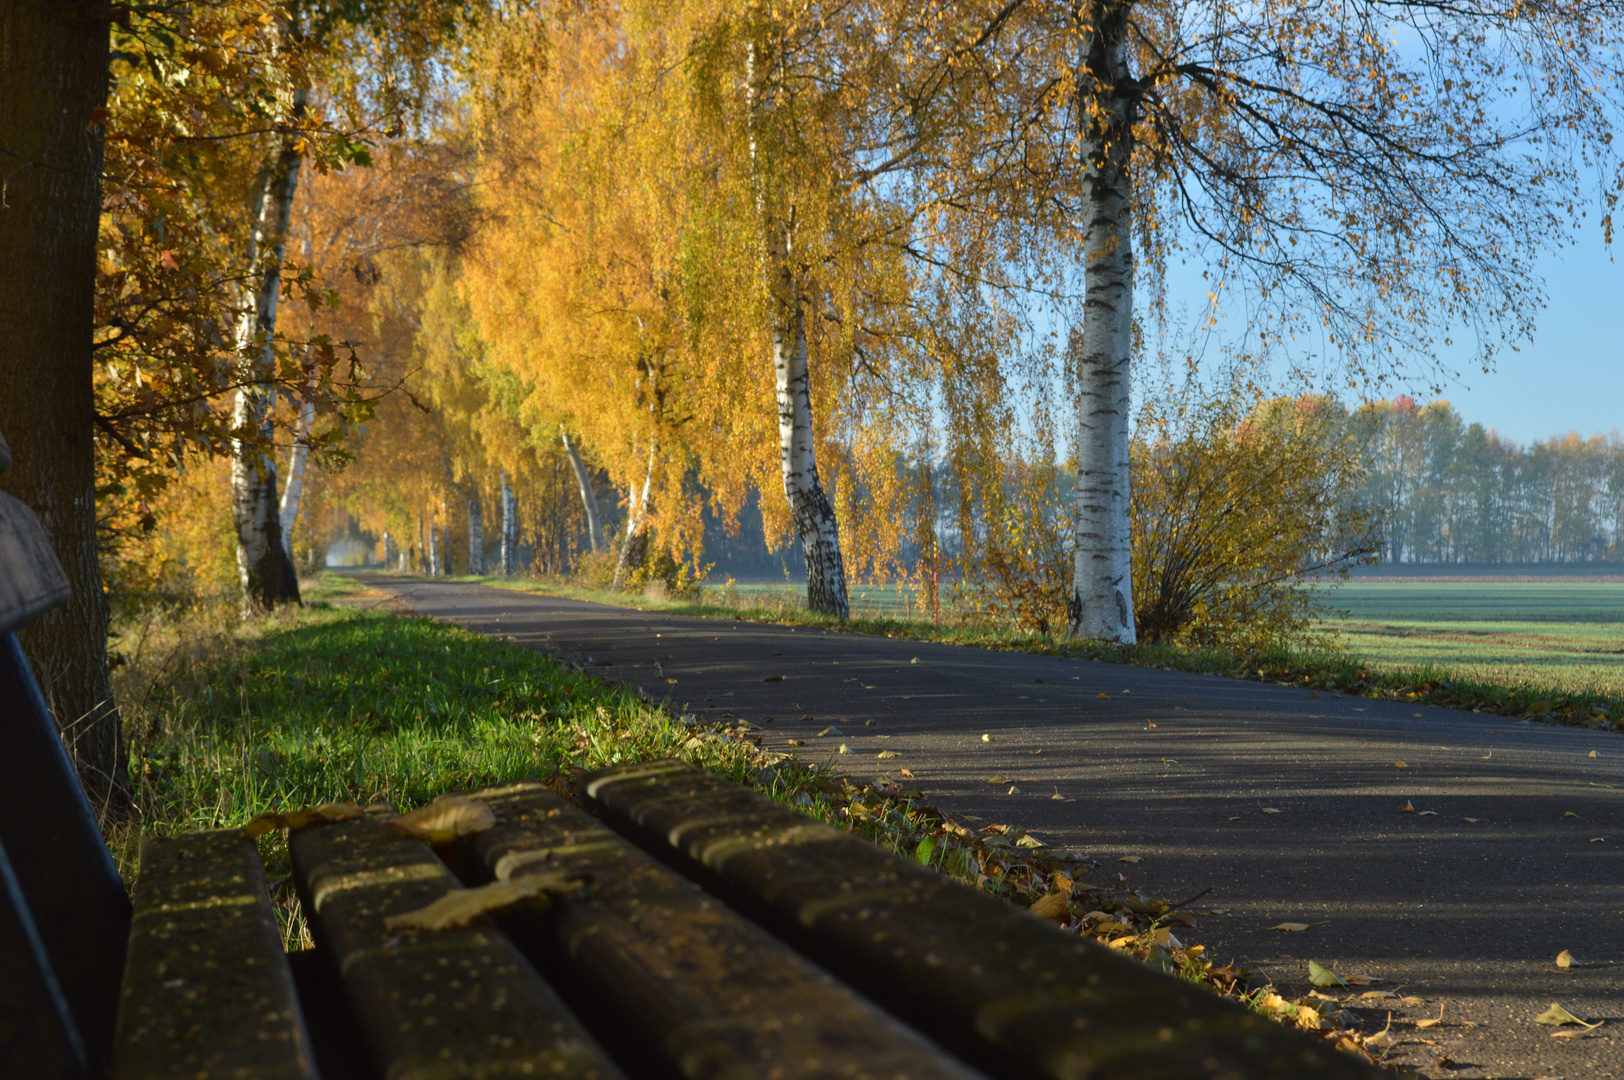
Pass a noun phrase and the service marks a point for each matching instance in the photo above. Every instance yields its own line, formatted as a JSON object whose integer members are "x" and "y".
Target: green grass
{"x": 1564, "y": 636}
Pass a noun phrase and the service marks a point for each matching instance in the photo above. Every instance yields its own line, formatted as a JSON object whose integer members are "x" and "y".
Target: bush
{"x": 1232, "y": 513}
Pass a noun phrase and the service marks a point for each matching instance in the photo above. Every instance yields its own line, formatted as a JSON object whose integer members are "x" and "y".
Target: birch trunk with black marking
{"x": 476, "y": 534}
{"x": 421, "y": 552}
{"x": 809, "y": 506}
{"x": 634, "y": 550}
{"x": 53, "y": 85}
{"x": 265, "y": 568}
{"x": 510, "y": 529}
{"x": 589, "y": 493}
{"x": 1101, "y": 601}
{"x": 433, "y": 550}
{"x": 296, "y": 469}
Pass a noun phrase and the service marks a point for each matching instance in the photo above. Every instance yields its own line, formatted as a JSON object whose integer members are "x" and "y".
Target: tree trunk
{"x": 296, "y": 469}
{"x": 797, "y": 454}
{"x": 53, "y": 81}
{"x": 422, "y": 551}
{"x": 634, "y": 551}
{"x": 434, "y": 549}
{"x": 266, "y": 569}
{"x": 510, "y": 529}
{"x": 589, "y": 494}
{"x": 388, "y": 549}
{"x": 476, "y": 535}
{"x": 1101, "y": 602}
{"x": 447, "y": 563}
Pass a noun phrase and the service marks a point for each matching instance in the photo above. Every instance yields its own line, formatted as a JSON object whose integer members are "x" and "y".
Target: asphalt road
{"x": 1177, "y": 769}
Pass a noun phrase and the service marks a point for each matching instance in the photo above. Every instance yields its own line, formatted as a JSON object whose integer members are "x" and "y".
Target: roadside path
{"x": 1177, "y": 769}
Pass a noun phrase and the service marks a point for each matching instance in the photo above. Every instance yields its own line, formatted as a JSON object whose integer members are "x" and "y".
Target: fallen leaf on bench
{"x": 261, "y": 824}
{"x": 445, "y": 819}
{"x": 461, "y": 906}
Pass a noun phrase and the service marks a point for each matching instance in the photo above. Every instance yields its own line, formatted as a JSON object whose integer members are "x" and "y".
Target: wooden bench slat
{"x": 719, "y": 997}
{"x": 435, "y": 1005}
{"x": 1012, "y": 992}
{"x": 207, "y": 991}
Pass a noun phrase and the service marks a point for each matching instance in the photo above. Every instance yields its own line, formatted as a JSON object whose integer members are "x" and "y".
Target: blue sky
{"x": 1571, "y": 376}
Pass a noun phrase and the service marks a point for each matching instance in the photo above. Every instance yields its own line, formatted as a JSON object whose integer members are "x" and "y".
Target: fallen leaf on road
{"x": 1564, "y": 959}
{"x": 887, "y": 755}
{"x": 1057, "y": 797}
{"x": 1400, "y": 765}
{"x": 673, "y": 682}
{"x": 829, "y": 731}
{"x": 1321, "y": 976}
{"x": 1029, "y": 841}
{"x": 1408, "y": 809}
{"x": 1234, "y": 819}
{"x": 997, "y": 779}
{"x": 1383, "y": 1039}
{"x": 773, "y": 678}
{"x": 1270, "y": 810}
{"x": 844, "y": 749}
{"x": 795, "y": 742}
{"x": 1591, "y": 754}
{"x": 1365, "y": 980}
{"x": 1431, "y": 1023}
{"x": 1013, "y": 790}
{"x": 1035, "y": 752}
{"x": 1410, "y": 1000}
{"x": 915, "y": 660}
{"x": 1377, "y": 995}
{"x": 1472, "y": 820}
{"x": 1052, "y": 906}
{"x": 1427, "y": 813}
{"x": 908, "y": 773}
{"x": 986, "y": 738}
{"x": 1103, "y": 697}
{"x": 1569, "y": 813}
{"x": 1557, "y": 1016}
{"x": 1598, "y": 839}
{"x": 1291, "y": 927}
{"x": 1565, "y": 1034}
{"x": 1130, "y": 859}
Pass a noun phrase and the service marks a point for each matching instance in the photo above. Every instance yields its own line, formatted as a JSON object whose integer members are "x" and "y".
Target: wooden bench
{"x": 710, "y": 933}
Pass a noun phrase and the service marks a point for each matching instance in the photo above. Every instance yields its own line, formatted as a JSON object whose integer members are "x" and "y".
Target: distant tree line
{"x": 1455, "y": 492}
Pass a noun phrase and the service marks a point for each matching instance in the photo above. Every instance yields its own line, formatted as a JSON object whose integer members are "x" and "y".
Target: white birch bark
{"x": 434, "y": 549}
{"x": 264, "y": 566}
{"x": 589, "y": 494}
{"x": 814, "y": 516}
{"x": 510, "y": 529}
{"x": 422, "y": 550}
{"x": 634, "y": 550}
{"x": 296, "y": 469}
{"x": 809, "y": 506}
{"x": 476, "y": 535}
{"x": 1101, "y": 602}
{"x": 388, "y": 549}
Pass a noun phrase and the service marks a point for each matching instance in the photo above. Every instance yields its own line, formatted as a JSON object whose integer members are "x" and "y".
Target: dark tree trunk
{"x": 53, "y": 82}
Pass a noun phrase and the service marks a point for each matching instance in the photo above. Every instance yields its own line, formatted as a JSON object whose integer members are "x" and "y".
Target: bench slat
{"x": 207, "y": 991}
{"x": 448, "y": 1004}
{"x": 1012, "y": 992}
{"x": 717, "y": 996}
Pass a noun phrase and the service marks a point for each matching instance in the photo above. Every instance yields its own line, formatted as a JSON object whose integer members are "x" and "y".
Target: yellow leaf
{"x": 1408, "y": 809}
{"x": 1564, "y": 959}
{"x": 1130, "y": 859}
{"x": 1557, "y": 1016}
{"x": 1270, "y": 810}
{"x": 1052, "y": 906}
{"x": 1400, "y": 765}
{"x": 304, "y": 817}
{"x": 461, "y": 906}
{"x": 887, "y": 755}
{"x": 1291, "y": 927}
{"x": 445, "y": 819}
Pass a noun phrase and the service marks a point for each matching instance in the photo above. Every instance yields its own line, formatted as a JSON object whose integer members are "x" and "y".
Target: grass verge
{"x": 1335, "y": 672}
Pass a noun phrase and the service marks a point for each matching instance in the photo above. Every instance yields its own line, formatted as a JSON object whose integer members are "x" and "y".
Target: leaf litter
{"x": 461, "y": 906}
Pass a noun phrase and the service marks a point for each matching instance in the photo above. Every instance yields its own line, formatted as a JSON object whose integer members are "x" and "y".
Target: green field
{"x": 867, "y": 601}
{"x": 1562, "y": 634}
